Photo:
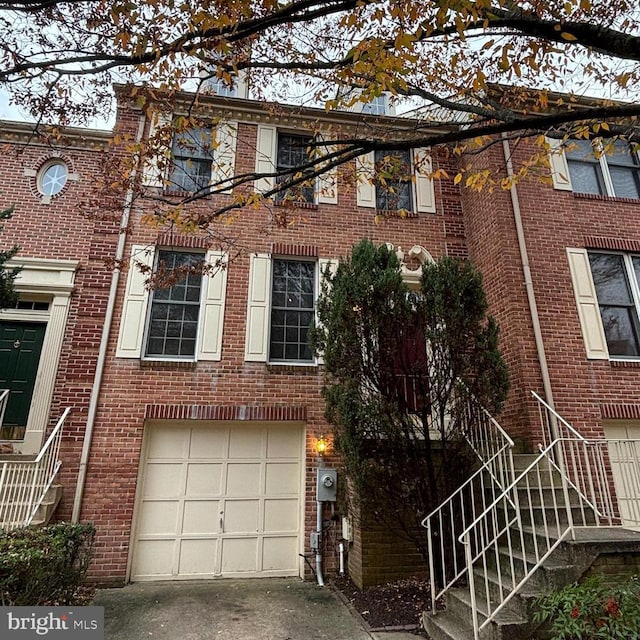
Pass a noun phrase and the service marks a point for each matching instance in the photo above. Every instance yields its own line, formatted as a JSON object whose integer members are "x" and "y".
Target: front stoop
{"x": 48, "y": 506}
{"x": 45, "y": 511}
{"x": 568, "y": 563}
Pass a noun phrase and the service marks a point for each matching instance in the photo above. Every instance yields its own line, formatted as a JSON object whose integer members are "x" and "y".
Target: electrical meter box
{"x": 327, "y": 485}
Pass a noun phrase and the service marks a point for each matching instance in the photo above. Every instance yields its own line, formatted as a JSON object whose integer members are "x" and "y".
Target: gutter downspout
{"x": 319, "y": 575}
{"x": 533, "y": 307}
{"x": 106, "y": 330}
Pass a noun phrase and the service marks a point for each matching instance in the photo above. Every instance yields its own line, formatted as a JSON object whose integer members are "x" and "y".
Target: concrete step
{"x": 44, "y": 512}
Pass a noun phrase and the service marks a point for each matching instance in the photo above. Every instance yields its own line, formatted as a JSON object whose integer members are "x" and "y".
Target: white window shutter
{"x": 224, "y": 155}
{"x": 365, "y": 173}
{"x": 328, "y": 181}
{"x": 256, "y": 345}
{"x": 134, "y": 309}
{"x": 559, "y": 167}
{"x": 212, "y": 308}
{"x": 152, "y": 169}
{"x": 425, "y": 191}
{"x": 333, "y": 267}
{"x": 588, "y": 310}
{"x": 266, "y": 156}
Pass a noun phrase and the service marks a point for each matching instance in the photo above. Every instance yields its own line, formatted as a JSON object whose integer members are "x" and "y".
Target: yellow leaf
{"x": 568, "y": 36}
{"x": 457, "y": 179}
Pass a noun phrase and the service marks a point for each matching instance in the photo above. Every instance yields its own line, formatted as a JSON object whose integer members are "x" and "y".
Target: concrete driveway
{"x": 263, "y": 609}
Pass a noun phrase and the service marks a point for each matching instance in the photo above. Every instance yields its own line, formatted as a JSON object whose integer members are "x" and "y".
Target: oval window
{"x": 53, "y": 177}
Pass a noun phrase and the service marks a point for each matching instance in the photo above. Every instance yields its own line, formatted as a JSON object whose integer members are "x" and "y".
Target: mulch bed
{"x": 395, "y": 604}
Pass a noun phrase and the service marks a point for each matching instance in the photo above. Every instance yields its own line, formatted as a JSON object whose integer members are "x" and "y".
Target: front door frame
{"x": 52, "y": 280}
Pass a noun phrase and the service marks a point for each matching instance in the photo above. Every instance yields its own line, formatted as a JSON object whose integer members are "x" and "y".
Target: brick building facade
{"x": 202, "y": 447}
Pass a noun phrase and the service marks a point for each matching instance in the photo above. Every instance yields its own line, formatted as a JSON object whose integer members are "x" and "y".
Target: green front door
{"x": 20, "y": 347}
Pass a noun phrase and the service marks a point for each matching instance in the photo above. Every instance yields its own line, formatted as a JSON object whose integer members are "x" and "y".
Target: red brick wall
{"x": 552, "y": 220}
{"x": 130, "y": 384}
{"x": 59, "y": 230}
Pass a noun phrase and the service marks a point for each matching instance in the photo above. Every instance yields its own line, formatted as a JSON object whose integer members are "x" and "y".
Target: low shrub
{"x": 594, "y": 608}
{"x": 44, "y": 566}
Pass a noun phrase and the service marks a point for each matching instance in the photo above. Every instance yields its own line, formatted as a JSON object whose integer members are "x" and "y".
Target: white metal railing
{"x": 24, "y": 485}
{"x": 4, "y": 399}
{"x": 568, "y": 485}
{"x": 447, "y": 522}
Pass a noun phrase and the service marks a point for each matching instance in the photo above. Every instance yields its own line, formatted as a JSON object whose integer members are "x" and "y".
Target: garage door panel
{"x": 159, "y": 517}
{"x": 204, "y": 479}
{"x": 245, "y": 442}
{"x": 219, "y": 500}
{"x": 241, "y": 516}
{"x": 281, "y": 515}
{"x": 153, "y": 558}
{"x": 197, "y": 557}
{"x": 281, "y": 444}
{"x": 279, "y": 554}
{"x": 208, "y": 444}
{"x": 624, "y": 456}
{"x": 201, "y": 516}
{"x": 243, "y": 479}
{"x": 168, "y": 442}
{"x": 163, "y": 480}
{"x": 239, "y": 555}
{"x": 282, "y": 478}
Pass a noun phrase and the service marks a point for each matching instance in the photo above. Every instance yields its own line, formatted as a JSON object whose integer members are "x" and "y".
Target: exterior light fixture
{"x": 321, "y": 446}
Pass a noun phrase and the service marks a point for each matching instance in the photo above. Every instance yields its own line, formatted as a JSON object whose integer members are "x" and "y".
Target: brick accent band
{"x": 239, "y": 412}
{"x": 617, "y": 244}
{"x": 620, "y": 411}
{"x": 182, "y": 240}
{"x": 303, "y": 251}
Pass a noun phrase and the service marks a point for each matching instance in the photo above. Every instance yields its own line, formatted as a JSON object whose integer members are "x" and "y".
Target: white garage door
{"x": 219, "y": 501}
{"x": 624, "y": 454}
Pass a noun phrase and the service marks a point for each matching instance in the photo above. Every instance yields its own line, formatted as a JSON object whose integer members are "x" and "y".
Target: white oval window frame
{"x": 42, "y": 172}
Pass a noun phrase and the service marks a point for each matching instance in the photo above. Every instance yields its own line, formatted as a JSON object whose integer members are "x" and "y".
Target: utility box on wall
{"x": 327, "y": 485}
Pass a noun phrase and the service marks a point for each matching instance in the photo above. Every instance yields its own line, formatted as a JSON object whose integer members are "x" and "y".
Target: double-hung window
{"x": 182, "y": 316}
{"x": 378, "y": 106}
{"x": 396, "y": 181}
{"x": 393, "y": 180}
{"x": 191, "y": 160}
{"x": 175, "y": 308}
{"x": 612, "y": 169}
{"x": 616, "y": 277}
{"x": 293, "y": 294}
{"x": 281, "y": 306}
{"x": 292, "y": 155}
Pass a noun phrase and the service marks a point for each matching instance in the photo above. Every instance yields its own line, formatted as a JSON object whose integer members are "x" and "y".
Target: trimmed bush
{"x": 44, "y": 565}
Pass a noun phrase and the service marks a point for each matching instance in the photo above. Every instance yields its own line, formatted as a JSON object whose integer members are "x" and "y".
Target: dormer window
{"x": 379, "y": 106}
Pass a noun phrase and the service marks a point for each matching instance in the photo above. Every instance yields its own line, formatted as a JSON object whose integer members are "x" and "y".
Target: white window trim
{"x": 325, "y": 187}
{"x": 132, "y": 340}
{"x": 560, "y": 173}
{"x": 422, "y": 185}
{"x": 222, "y": 164}
{"x": 587, "y": 302}
{"x": 258, "y": 328}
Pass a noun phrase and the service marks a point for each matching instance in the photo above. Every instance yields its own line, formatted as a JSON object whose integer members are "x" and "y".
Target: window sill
{"x": 167, "y": 365}
{"x": 292, "y": 204}
{"x": 625, "y": 364}
{"x": 396, "y": 213}
{"x": 594, "y": 196}
{"x": 178, "y": 193}
{"x": 292, "y": 367}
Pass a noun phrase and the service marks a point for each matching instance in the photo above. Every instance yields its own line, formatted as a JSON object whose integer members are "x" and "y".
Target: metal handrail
{"x": 24, "y": 485}
{"x": 4, "y": 400}
{"x": 493, "y": 446}
{"x": 547, "y": 520}
{"x": 568, "y": 485}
